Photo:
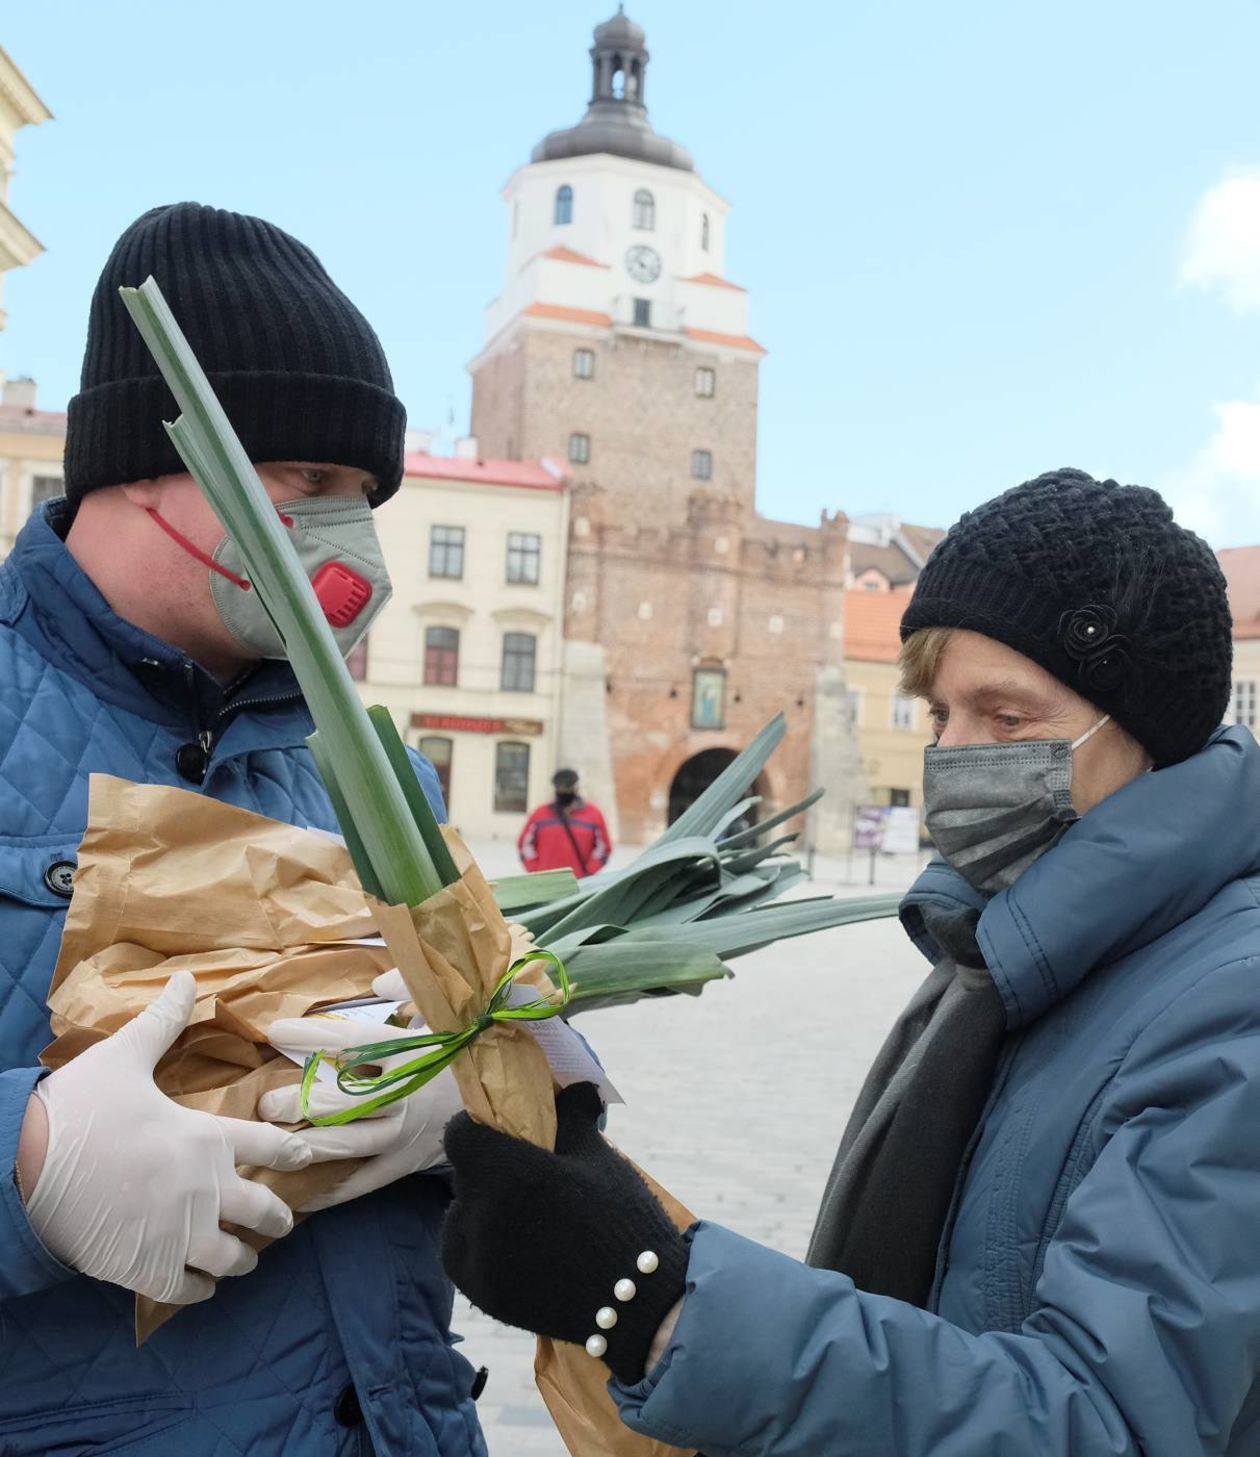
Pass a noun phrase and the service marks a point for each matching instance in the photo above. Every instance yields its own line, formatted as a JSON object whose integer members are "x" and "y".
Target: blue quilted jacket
{"x": 339, "y": 1342}
{"x": 1098, "y": 1287}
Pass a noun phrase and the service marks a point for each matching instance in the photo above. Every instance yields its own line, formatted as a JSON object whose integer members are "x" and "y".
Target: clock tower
{"x": 617, "y": 343}
{"x": 619, "y": 347}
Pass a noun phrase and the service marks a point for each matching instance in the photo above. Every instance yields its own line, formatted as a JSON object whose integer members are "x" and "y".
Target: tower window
{"x": 704, "y": 232}
{"x": 579, "y": 448}
{"x": 706, "y": 383}
{"x": 644, "y": 210}
{"x": 643, "y": 313}
{"x": 702, "y": 464}
{"x": 564, "y": 205}
{"x": 708, "y": 698}
{"x": 583, "y": 363}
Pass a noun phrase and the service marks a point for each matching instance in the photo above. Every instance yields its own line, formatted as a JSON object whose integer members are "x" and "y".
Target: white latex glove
{"x": 133, "y": 1186}
{"x": 401, "y": 1138}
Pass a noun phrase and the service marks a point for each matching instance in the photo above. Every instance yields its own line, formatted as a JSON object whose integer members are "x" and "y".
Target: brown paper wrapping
{"x": 261, "y": 913}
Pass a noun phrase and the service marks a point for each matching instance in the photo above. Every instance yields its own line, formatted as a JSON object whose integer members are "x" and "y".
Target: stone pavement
{"x": 734, "y": 1100}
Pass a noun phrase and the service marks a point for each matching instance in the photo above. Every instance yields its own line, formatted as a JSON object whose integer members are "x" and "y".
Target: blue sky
{"x": 982, "y": 240}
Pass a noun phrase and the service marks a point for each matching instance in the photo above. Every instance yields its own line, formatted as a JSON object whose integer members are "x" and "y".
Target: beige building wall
{"x": 1245, "y": 704}
{"x": 892, "y": 732}
{"x": 476, "y": 715}
{"x": 19, "y": 107}
{"x": 31, "y": 445}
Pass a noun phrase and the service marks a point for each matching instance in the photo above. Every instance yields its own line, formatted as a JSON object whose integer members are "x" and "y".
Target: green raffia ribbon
{"x": 381, "y": 1088}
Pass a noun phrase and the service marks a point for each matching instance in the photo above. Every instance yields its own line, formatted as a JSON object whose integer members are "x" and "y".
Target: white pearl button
{"x": 596, "y": 1346}
{"x": 605, "y": 1317}
{"x": 648, "y": 1262}
{"x": 625, "y": 1290}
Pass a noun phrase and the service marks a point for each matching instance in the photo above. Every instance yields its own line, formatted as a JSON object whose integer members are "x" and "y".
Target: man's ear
{"x": 145, "y": 494}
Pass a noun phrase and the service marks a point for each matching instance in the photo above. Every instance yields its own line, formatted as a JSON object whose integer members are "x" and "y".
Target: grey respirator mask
{"x": 993, "y": 809}
{"x": 336, "y": 542}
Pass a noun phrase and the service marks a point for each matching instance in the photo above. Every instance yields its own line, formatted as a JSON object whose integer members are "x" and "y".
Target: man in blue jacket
{"x": 1041, "y": 1235}
{"x": 132, "y": 644}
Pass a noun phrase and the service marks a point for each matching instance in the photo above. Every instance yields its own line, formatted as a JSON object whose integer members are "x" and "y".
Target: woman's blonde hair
{"x": 920, "y": 659}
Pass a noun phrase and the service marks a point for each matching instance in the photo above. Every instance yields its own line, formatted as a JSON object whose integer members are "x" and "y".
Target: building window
{"x": 706, "y": 383}
{"x": 644, "y": 210}
{"x": 564, "y": 205}
{"x": 446, "y": 551}
{"x": 511, "y": 778}
{"x": 441, "y": 657}
{"x": 438, "y": 752}
{"x": 44, "y": 488}
{"x": 902, "y": 712}
{"x": 524, "y": 550}
{"x": 899, "y": 798}
{"x": 356, "y": 660}
{"x": 583, "y": 364}
{"x": 643, "y": 313}
{"x": 579, "y": 448}
{"x": 704, "y": 232}
{"x": 708, "y": 698}
{"x": 853, "y": 706}
{"x": 1245, "y": 704}
{"x": 702, "y": 465}
{"x": 520, "y": 652}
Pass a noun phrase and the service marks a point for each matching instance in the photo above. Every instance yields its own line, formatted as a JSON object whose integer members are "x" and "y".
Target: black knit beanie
{"x": 296, "y": 366}
{"x": 1097, "y": 583}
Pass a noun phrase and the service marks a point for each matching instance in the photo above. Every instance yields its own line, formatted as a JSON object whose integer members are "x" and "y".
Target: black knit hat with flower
{"x": 1097, "y": 583}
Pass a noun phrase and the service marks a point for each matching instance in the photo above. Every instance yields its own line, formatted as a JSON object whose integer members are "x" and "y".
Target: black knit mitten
{"x": 571, "y": 1244}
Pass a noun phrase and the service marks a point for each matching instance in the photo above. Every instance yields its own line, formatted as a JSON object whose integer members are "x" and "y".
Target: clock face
{"x": 643, "y": 264}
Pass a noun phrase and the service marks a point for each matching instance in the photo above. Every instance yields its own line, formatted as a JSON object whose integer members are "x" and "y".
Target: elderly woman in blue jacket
{"x": 1041, "y": 1236}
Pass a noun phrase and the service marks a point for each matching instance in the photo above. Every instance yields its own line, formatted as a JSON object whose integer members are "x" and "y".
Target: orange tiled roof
{"x": 572, "y": 316}
{"x": 714, "y": 281}
{"x": 1241, "y": 565}
{"x": 531, "y": 474}
{"x": 732, "y": 341}
{"x": 567, "y": 255}
{"x": 872, "y": 623}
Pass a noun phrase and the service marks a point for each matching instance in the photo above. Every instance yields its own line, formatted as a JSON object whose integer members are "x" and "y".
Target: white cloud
{"x": 1223, "y": 243}
{"x": 1217, "y": 493}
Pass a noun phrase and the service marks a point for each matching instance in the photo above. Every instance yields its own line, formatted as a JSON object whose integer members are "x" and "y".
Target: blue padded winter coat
{"x": 351, "y": 1312}
{"x": 1098, "y": 1286}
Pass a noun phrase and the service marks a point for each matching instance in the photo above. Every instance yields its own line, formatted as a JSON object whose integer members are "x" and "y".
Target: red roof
{"x": 732, "y": 341}
{"x": 567, "y": 255}
{"x": 563, "y": 311}
{"x": 714, "y": 281}
{"x": 530, "y": 475}
{"x": 26, "y": 420}
{"x": 872, "y": 624}
{"x": 1241, "y": 565}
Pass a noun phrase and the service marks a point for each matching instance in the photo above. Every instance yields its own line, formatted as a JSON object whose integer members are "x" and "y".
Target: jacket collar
{"x": 1143, "y": 861}
{"x": 52, "y": 602}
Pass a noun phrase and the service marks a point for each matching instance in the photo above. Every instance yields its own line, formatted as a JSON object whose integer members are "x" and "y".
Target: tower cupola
{"x": 616, "y": 120}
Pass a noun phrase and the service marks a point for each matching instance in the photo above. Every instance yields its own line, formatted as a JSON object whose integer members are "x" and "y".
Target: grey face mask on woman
{"x": 336, "y": 542}
{"x": 993, "y": 809}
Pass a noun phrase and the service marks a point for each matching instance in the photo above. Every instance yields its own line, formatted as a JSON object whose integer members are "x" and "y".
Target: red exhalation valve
{"x": 342, "y": 592}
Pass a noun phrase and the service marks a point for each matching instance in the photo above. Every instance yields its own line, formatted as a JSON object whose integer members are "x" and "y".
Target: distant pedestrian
{"x": 569, "y": 833}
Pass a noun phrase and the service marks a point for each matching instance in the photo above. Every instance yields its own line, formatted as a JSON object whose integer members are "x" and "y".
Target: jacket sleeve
{"x": 527, "y": 844}
{"x": 603, "y": 843}
{"x": 25, "y": 1265}
{"x": 1146, "y": 1335}
{"x": 430, "y": 783}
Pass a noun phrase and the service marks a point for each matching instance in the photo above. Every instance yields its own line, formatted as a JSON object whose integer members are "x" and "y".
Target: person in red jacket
{"x": 569, "y": 833}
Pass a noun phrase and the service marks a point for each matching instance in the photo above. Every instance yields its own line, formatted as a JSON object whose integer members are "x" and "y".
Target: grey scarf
{"x": 887, "y": 1201}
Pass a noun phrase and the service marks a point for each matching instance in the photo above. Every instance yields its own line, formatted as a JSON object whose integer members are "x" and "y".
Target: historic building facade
{"x": 467, "y": 655}
{"x": 619, "y": 344}
{"x": 19, "y": 107}
{"x": 1241, "y": 565}
{"x": 31, "y": 445}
